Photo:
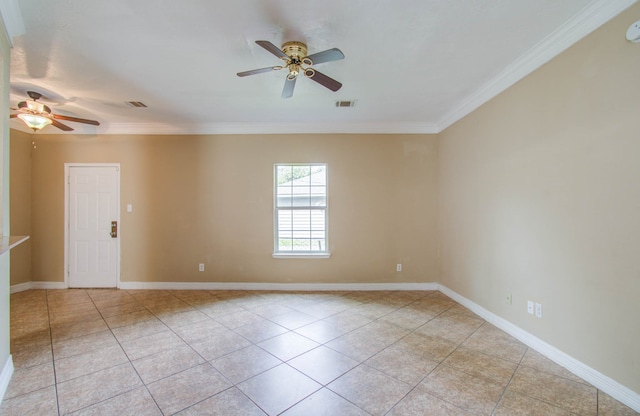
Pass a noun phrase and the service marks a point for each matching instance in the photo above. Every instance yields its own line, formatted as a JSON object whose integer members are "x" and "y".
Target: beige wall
{"x": 209, "y": 199}
{"x": 20, "y": 184}
{"x": 539, "y": 197}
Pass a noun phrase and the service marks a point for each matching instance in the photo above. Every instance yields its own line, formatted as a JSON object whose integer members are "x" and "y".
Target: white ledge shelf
{"x": 10, "y": 241}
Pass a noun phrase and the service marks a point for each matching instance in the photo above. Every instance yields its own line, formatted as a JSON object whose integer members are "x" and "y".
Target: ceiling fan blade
{"x": 76, "y": 119}
{"x": 258, "y": 71}
{"x": 61, "y": 126}
{"x": 323, "y": 80}
{"x": 329, "y": 55}
{"x": 289, "y": 85}
{"x": 273, "y": 49}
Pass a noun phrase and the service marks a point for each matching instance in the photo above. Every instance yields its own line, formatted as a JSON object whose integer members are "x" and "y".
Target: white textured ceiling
{"x": 413, "y": 66}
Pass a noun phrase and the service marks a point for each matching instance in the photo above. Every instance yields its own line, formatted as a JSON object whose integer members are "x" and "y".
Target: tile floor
{"x": 119, "y": 352}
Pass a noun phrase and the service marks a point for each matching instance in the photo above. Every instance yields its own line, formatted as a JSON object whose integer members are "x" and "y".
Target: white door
{"x": 93, "y": 219}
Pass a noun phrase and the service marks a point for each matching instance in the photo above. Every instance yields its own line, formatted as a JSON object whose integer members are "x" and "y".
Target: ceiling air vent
{"x": 136, "y": 104}
{"x": 351, "y": 103}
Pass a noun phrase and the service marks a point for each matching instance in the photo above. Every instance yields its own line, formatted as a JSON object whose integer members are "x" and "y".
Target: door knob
{"x": 114, "y": 229}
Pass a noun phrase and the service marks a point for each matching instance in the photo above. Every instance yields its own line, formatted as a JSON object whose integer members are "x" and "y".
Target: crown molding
{"x": 240, "y": 128}
{"x": 589, "y": 19}
{"x": 267, "y": 128}
{"x": 11, "y": 19}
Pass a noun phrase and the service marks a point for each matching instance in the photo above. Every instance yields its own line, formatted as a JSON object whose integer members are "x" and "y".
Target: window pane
{"x": 284, "y": 220}
{"x": 285, "y": 244}
{"x": 319, "y": 175}
{"x": 318, "y": 244}
{"x": 301, "y": 186}
{"x": 301, "y": 175}
{"x": 301, "y": 230}
{"x": 317, "y": 220}
{"x": 285, "y": 234}
{"x": 301, "y": 245}
{"x": 301, "y": 197}
{"x": 318, "y": 196}
{"x": 284, "y": 174}
{"x": 285, "y": 200}
{"x": 301, "y": 217}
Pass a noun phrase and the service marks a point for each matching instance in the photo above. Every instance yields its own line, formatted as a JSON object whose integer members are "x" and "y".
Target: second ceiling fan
{"x": 294, "y": 54}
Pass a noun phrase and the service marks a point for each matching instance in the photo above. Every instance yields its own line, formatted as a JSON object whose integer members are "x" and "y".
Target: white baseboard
{"x": 20, "y": 287}
{"x": 241, "y": 286}
{"x": 5, "y": 376}
{"x": 276, "y": 286}
{"x": 606, "y": 384}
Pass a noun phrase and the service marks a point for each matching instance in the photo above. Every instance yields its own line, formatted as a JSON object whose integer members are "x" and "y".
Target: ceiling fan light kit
{"x": 38, "y": 116}
{"x": 34, "y": 121}
{"x": 294, "y": 54}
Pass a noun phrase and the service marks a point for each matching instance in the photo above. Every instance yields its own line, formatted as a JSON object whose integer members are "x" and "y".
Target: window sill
{"x": 301, "y": 255}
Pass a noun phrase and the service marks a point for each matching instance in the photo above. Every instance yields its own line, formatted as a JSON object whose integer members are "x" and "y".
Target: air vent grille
{"x": 351, "y": 103}
{"x": 136, "y": 104}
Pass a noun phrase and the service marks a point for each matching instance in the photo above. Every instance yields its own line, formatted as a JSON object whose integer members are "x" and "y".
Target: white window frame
{"x": 300, "y": 254}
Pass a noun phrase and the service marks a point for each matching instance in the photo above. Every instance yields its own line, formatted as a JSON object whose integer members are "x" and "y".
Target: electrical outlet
{"x": 399, "y": 267}
{"x": 201, "y": 267}
{"x": 530, "y": 307}
{"x": 538, "y": 310}
{"x": 508, "y": 299}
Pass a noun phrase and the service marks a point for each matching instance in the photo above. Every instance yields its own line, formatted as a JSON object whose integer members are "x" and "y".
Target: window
{"x": 300, "y": 209}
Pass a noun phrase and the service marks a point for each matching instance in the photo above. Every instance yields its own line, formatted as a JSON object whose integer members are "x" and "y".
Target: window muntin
{"x": 301, "y": 208}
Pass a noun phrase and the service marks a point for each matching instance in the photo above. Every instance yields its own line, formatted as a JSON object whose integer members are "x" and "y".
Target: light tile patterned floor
{"x": 118, "y": 352}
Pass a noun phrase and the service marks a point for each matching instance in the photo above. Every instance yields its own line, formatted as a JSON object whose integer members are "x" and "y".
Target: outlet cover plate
{"x": 530, "y": 307}
{"x": 538, "y": 310}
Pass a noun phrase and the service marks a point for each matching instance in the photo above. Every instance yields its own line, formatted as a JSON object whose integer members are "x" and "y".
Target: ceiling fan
{"x": 294, "y": 54}
{"x": 36, "y": 115}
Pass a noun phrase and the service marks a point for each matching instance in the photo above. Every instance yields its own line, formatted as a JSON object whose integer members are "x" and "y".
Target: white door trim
{"x": 67, "y": 166}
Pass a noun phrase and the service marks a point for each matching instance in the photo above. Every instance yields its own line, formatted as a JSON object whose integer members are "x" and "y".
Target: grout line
{"x": 510, "y": 381}
{"x": 128, "y": 358}
{"x": 444, "y": 359}
{"x": 53, "y": 356}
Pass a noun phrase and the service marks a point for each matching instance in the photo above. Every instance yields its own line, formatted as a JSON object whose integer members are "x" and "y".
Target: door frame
{"x": 67, "y": 167}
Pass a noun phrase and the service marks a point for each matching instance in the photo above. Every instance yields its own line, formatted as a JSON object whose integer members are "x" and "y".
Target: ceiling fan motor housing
{"x": 297, "y": 53}
{"x": 34, "y": 107}
{"x": 295, "y": 50}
